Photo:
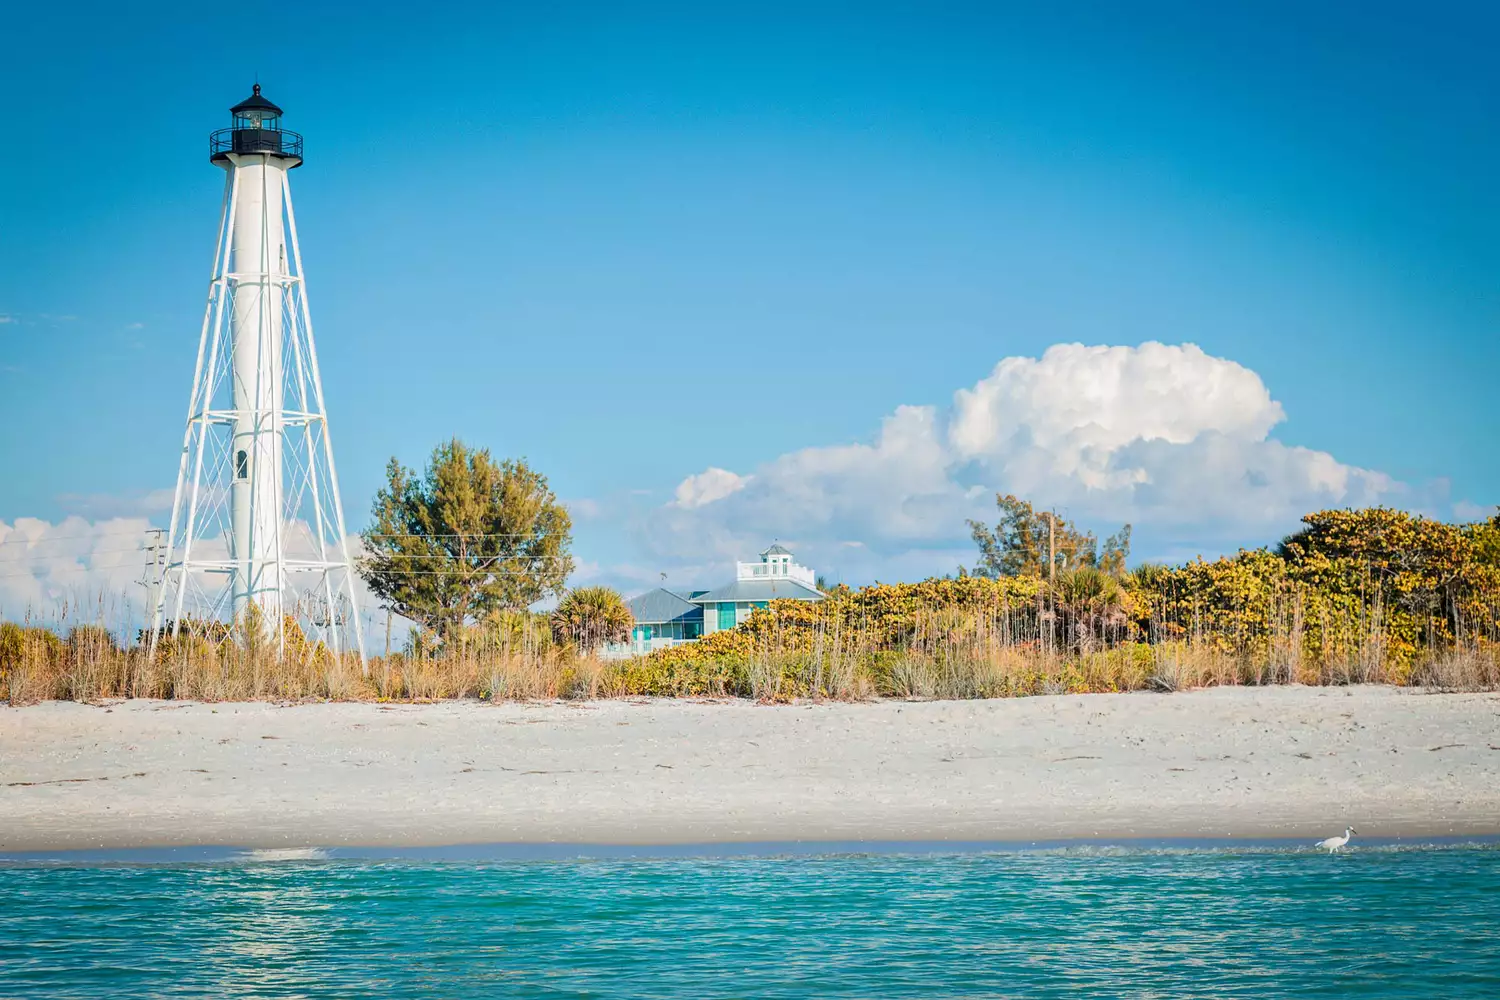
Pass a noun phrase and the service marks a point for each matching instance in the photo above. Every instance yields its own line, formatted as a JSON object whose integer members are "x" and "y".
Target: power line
{"x": 50, "y": 539}
{"x": 39, "y": 565}
{"x": 9, "y": 539}
{"x": 490, "y": 574}
{"x": 447, "y": 555}
{"x": 463, "y": 535}
{"x": 60, "y": 555}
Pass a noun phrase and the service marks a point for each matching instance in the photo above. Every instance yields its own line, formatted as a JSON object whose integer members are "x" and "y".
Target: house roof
{"x": 761, "y": 590}
{"x": 655, "y": 606}
{"x": 776, "y": 550}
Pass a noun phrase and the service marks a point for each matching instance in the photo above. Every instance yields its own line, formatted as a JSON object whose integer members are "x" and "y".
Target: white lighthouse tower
{"x": 257, "y": 528}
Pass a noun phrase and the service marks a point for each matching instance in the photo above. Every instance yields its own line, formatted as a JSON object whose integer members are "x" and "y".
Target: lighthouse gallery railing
{"x": 278, "y": 142}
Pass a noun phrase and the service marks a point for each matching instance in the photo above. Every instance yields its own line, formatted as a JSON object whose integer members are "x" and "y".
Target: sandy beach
{"x": 1268, "y": 762}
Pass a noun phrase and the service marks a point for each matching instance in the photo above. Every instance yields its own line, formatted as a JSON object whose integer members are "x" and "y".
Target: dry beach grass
{"x": 86, "y": 666}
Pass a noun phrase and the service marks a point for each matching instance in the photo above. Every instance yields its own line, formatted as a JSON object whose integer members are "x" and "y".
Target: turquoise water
{"x": 1095, "y": 923}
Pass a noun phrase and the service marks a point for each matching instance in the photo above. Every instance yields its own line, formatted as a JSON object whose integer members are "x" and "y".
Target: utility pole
{"x": 1052, "y": 570}
{"x": 152, "y": 573}
{"x": 1052, "y": 547}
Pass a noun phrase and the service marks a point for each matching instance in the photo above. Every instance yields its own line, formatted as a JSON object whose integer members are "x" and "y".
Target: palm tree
{"x": 1093, "y": 599}
{"x": 589, "y": 617}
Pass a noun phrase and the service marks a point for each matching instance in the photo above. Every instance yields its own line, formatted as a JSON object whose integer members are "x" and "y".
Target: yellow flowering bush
{"x": 1355, "y": 595}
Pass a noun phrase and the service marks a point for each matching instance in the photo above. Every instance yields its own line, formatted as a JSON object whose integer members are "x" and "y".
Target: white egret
{"x": 1334, "y": 843}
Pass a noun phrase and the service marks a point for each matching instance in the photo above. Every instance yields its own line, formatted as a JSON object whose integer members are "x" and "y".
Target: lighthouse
{"x": 257, "y": 536}
{"x": 257, "y": 154}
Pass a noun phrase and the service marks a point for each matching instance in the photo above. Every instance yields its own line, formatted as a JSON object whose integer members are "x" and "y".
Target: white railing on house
{"x": 639, "y": 647}
{"x": 775, "y": 571}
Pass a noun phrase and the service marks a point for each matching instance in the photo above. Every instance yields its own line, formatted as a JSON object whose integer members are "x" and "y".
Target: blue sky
{"x": 634, "y": 243}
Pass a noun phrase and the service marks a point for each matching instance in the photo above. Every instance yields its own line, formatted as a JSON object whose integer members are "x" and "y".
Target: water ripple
{"x": 1071, "y": 923}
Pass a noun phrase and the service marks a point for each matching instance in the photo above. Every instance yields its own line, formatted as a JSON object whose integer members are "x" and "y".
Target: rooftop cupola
{"x": 776, "y": 562}
{"x": 255, "y": 129}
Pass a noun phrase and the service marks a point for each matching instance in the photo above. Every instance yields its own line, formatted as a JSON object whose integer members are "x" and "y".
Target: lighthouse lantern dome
{"x": 255, "y": 111}
{"x": 256, "y": 128}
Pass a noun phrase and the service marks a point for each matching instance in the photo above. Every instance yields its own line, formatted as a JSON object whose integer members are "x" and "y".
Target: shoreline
{"x": 221, "y": 854}
{"x": 1223, "y": 764}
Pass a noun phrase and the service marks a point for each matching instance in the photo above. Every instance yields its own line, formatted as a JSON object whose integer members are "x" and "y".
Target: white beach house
{"x": 777, "y": 577}
{"x": 665, "y": 618}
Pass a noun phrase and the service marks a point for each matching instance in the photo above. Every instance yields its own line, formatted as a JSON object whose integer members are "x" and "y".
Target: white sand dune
{"x": 1298, "y": 762}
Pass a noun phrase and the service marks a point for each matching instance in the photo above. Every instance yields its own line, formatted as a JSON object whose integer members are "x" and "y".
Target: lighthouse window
{"x": 241, "y": 465}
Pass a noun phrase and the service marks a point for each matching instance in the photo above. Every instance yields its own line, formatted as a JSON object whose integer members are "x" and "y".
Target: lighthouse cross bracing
{"x": 257, "y": 532}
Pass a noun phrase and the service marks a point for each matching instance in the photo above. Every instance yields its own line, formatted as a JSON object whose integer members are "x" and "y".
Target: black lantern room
{"x": 256, "y": 129}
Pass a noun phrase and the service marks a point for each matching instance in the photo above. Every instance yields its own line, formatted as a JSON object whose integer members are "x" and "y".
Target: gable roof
{"x": 778, "y": 589}
{"x": 660, "y": 605}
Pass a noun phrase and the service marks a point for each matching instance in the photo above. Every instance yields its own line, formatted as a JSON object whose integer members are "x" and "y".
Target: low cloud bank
{"x": 76, "y": 566}
{"x": 77, "y": 570}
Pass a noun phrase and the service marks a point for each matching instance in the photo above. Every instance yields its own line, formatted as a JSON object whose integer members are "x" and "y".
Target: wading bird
{"x": 1334, "y": 843}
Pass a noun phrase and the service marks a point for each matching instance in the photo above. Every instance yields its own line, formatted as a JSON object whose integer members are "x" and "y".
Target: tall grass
{"x": 946, "y": 652}
{"x": 87, "y": 665}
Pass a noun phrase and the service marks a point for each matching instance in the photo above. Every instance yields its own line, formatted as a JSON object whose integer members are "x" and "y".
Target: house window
{"x": 726, "y": 615}
{"x": 241, "y": 465}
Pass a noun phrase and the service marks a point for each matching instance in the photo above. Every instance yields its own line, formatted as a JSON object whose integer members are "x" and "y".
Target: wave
{"x": 273, "y": 854}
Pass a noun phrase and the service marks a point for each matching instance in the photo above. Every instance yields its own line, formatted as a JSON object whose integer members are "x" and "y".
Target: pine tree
{"x": 468, "y": 537}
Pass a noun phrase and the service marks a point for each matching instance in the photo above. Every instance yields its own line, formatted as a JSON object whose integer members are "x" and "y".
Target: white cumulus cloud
{"x": 1158, "y": 434}
{"x": 707, "y": 486}
{"x": 1164, "y": 436}
{"x": 1081, "y": 402}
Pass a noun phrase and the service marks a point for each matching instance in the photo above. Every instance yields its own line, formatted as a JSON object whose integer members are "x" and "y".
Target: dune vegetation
{"x": 1371, "y": 596}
